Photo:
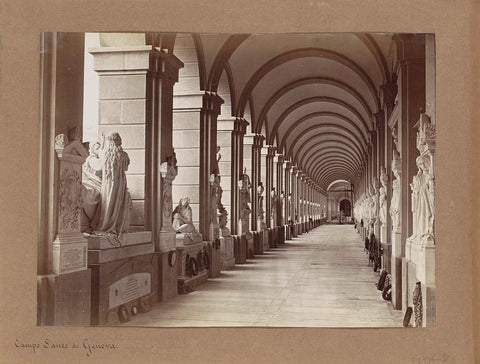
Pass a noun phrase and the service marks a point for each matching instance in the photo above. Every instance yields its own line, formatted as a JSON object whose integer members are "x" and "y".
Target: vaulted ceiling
{"x": 312, "y": 95}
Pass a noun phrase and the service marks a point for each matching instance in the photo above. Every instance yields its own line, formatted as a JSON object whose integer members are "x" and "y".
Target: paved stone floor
{"x": 320, "y": 279}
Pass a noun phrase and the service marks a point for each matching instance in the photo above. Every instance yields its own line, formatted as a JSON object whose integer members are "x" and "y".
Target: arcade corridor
{"x": 181, "y": 172}
{"x": 319, "y": 279}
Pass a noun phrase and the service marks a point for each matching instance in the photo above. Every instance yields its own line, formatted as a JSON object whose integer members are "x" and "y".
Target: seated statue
{"x": 182, "y": 220}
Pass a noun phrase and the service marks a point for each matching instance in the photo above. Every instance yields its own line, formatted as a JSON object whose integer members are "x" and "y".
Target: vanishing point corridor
{"x": 319, "y": 279}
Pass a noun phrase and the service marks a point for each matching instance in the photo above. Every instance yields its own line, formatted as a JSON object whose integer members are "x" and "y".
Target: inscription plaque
{"x": 74, "y": 258}
{"x": 130, "y": 288}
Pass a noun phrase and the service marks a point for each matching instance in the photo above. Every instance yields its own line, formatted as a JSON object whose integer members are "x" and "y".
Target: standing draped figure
{"x": 383, "y": 197}
{"x": 395, "y": 202}
{"x": 422, "y": 199}
{"x": 116, "y": 200}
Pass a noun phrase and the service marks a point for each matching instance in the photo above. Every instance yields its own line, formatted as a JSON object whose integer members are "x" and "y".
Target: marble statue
{"x": 91, "y": 189}
{"x": 245, "y": 197}
{"x": 375, "y": 198}
{"x": 215, "y": 194}
{"x": 215, "y": 167}
{"x": 423, "y": 184}
{"x": 382, "y": 199}
{"x": 170, "y": 174}
{"x": 422, "y": 199}
{"x": 223, "y": 214}
{"x": 116, "y": 201}
{"x": 395, "y": 201}
{"x": 274, "y": 207}
{"x": 260, "y": 191}
{"x": 183, "y": 220}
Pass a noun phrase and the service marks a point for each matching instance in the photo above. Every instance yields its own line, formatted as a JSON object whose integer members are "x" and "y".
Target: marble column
{"x": 63, "y": 299}
{"x": 258, "y": 219}
{"x": 225, "y": 140}
{"x": 286, "y": 202}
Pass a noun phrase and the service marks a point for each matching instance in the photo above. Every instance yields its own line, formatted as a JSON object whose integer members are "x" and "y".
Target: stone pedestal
{"x": 240, "y": 249}
{"x": 215, "y": 260}
{"x": 387, "y": 248}
{"x": 124, "y": 275}
{"x": 258, "y": 242}
{"x": 246, "y": 235}
{"x": 250, "y": 245}
{"x": 64, "y": 296}
{"x": 167, "y": 264}
{"x": 288, "y": 235}
{"x": 396, "y": 270}
{"x": 167, "y": 275}
{"x": 213, "y": 250}
{"x": 420, "y": 254}
{"x": 227, "y": 255}
{"x": 190, "y": 268}
{"x": 266, "y": 242}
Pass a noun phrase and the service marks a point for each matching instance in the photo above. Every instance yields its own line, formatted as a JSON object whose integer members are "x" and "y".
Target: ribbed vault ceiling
{"x": 313, "y": 95}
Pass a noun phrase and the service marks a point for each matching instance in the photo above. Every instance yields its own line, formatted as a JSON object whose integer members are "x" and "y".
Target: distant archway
{"x": 346, "y": 207}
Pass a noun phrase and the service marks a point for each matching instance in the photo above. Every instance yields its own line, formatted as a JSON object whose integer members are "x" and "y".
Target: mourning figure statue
{"x": 182, "y": 218}
{"x": 116, "y": 200}
{"x": 106, "y": 199}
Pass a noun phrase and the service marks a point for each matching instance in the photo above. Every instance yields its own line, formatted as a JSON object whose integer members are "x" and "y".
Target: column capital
{"x": 166, "y": 64}
{"x": 212, "y": 102}
{"x": 240, "y": 126}
{"x": 278, "y": 158}
{"x": 269, "y": 150}
{"x": 258, "y": 140}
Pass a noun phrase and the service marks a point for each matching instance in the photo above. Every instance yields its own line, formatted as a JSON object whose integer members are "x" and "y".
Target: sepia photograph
{"x": 237, "y": 180}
